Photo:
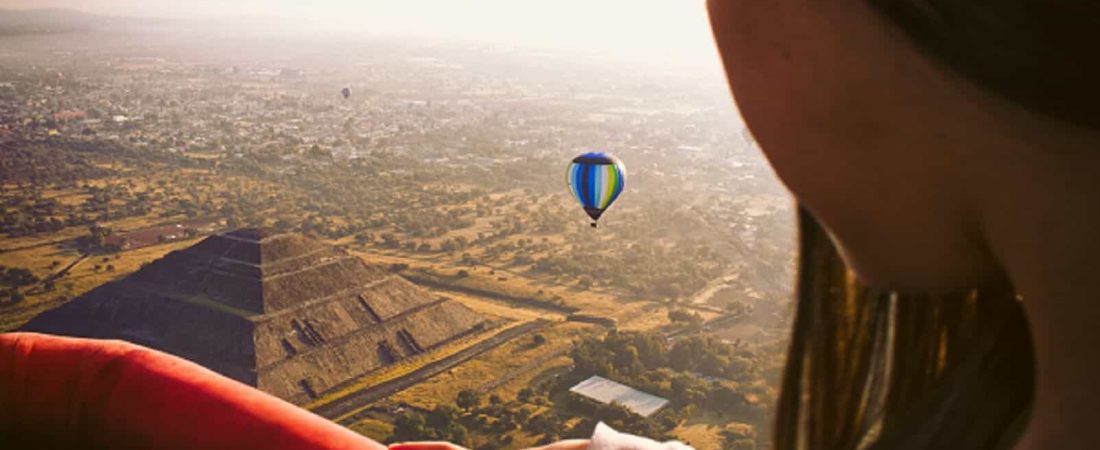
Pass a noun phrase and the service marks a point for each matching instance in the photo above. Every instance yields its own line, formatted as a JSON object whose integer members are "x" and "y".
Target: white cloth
{"x": 606, "y": 438}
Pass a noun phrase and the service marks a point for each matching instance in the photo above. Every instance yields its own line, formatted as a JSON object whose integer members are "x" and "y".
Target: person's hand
{"x": 569, "y": 444}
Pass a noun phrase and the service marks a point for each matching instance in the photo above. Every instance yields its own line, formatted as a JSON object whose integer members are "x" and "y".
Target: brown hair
{"x": 881, "y": 370}
{"x": 1039, "y": 53}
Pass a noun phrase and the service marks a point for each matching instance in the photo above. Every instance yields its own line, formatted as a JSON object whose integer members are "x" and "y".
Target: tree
{"x": 468, "y": 259}
{"x": 409, "y": 426}
{"x": 739, "y": 436}
{"x": 626, "y": 360}
{"x": 442, "y": 417}
{"x": 467, "y": 399}
{"x": 684, "y": 317}
{"x": 548, "y": 423}
{"x": 741, "y": 444}
{"x": 460, "y": 435}
{"x": 525, "y": 395}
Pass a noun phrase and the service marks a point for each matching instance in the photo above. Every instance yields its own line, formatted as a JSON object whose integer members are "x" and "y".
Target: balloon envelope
{"x": 596, "y": 180}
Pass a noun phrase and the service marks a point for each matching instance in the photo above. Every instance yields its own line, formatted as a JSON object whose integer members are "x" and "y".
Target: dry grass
{"x": 495, "y": 308}
{"x": 495, "y": 363}
{"x": 700, "y": 436}
{"x": 702, "y": 431}
{"x": 373, "y": 428}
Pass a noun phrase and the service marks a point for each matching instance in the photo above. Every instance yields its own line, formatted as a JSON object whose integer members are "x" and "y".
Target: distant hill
{"x": 56, "y": 20}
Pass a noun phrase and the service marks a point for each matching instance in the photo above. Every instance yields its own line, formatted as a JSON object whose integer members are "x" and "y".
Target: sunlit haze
{"x": 658, "y": 31}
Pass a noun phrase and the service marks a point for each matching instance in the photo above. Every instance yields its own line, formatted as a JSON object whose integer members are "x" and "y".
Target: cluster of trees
{"x": 29, "y": 165}
{"x": 12, "y": 279}
{"x": 440, "y": 424}
{"x": 693, "y": 372}
{"x": 96, "y": 239}
{"x": 684, "y": 317}
{"x": 739, "y": 437}
{"x": 681, "y": 372}
{"x": 26, "y": 213}
{"x": 69, "y": 164}
{"x": 474, "y": 423}
{"x": 664, "y": 271}
{"x": 491, "y": 424}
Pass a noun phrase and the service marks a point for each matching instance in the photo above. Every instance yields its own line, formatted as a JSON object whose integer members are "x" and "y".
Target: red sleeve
{"x": 58, "y": 392}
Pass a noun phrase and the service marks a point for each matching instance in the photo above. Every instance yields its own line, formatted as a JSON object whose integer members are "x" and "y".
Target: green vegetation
{"x": 701, "y": 377}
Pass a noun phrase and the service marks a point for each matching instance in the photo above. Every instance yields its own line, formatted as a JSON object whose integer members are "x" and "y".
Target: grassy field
{"x": 495, "y": 363}
{"x": 701, "y": 436}
{"x": 703, "y": 431}
{"x": 373, "y": 428}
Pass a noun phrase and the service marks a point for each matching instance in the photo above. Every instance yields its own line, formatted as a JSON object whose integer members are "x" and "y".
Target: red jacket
{"x": 58, "y": 392}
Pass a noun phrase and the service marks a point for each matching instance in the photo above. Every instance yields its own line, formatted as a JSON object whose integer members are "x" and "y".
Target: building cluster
{"x": 460, "y": 114}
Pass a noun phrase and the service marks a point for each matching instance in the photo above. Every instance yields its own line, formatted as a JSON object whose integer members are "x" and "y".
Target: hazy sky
{"x": 674, "y": 30}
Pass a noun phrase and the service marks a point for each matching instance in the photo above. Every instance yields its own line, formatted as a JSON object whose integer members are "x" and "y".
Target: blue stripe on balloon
{"x": 583, "y": 177}
{"x": 593, "y": 186}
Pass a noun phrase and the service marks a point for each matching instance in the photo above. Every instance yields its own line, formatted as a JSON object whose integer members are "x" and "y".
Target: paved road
{"x": 379, "y": 391}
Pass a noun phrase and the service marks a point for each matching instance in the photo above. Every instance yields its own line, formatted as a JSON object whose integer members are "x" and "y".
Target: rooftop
{"x": 606, "y": 391}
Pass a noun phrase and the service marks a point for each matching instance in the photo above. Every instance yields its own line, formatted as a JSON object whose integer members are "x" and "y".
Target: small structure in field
{"x": 605, "y": 391}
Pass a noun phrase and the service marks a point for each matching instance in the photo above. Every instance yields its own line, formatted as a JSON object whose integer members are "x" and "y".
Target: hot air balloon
{"x": 346, "y": 92}
{"x": 596, "y": 180}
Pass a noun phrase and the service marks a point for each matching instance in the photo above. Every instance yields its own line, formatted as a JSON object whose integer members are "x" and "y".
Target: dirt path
{"x": 64, "y": 270}
{"x": 37, "y": 245}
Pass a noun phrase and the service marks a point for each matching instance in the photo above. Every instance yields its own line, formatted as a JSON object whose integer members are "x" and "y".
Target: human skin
{"x": 569, "y": 444}
{"x": 928, "y": 182}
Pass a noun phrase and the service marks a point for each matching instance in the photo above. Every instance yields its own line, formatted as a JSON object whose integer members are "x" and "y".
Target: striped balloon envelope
{"x": 596, "y": 180}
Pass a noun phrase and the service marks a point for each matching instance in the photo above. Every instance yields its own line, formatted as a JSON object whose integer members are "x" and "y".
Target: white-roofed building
{"x": 606, "y": 391}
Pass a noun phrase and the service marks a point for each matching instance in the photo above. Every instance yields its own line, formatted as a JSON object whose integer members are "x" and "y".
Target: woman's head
{"x": 895, "y": 120}
{"x": 1039, "y": 53}
{"x": 950, "y": 149}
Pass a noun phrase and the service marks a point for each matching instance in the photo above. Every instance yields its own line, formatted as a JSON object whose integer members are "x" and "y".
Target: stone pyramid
{"x": 281, "y": 312}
